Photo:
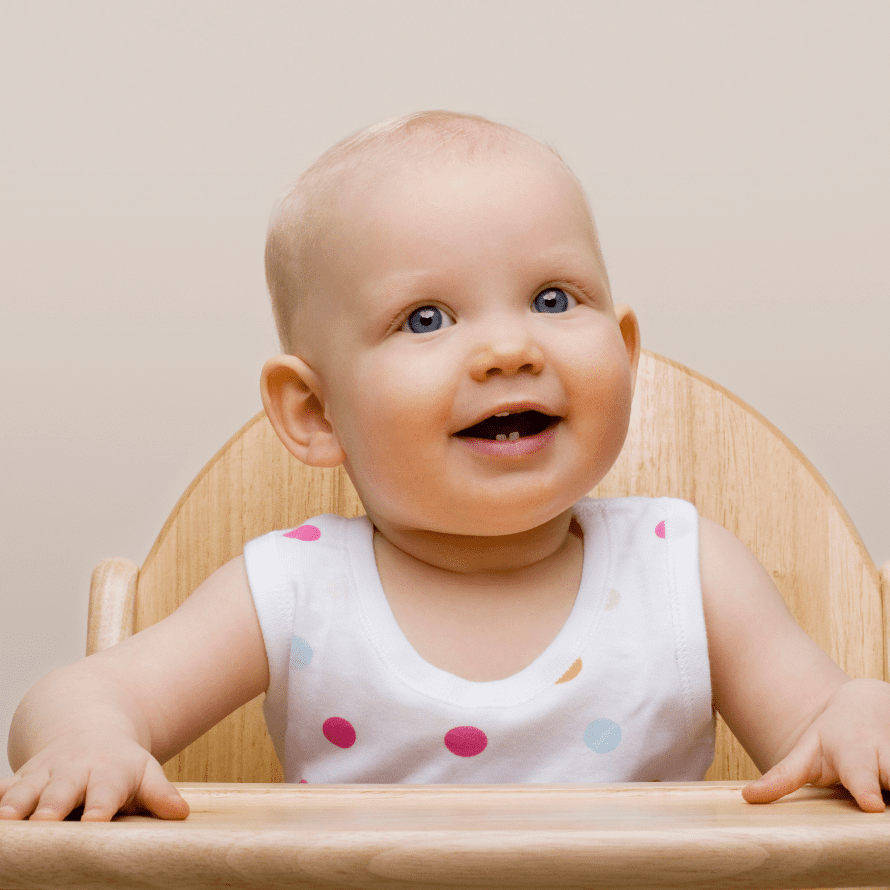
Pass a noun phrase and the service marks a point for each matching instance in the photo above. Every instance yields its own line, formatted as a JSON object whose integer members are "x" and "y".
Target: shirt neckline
{"x": 403, "y": 660}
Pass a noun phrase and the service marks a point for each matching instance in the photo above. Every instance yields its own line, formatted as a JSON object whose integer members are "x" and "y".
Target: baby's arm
{"x": 798, "y": 715}
{"x": 95, "y": 733}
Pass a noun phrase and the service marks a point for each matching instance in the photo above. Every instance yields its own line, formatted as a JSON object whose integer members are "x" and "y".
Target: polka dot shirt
{"x": 621, "y": 694}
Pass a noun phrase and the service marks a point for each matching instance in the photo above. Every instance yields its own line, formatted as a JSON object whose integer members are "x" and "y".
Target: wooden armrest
{"x": 112, "y": 603}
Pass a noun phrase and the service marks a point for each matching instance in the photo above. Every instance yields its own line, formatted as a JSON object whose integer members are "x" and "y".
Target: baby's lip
{"x": 509, "y": 408}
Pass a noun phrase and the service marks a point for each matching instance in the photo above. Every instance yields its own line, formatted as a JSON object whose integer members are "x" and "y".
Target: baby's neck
{"x": 474, "y": 555}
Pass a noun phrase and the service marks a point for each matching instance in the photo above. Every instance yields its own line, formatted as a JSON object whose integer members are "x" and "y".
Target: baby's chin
{"x": 493, "y": 522}
{"x": 480, "y": 511}
{"x": 519, "y": 515}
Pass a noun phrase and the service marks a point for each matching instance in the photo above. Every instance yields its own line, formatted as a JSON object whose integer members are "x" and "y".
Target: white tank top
{"x": 622, "y": 694}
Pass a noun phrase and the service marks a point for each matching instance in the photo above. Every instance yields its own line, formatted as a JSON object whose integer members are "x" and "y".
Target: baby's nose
{"x": 514, "y": 354}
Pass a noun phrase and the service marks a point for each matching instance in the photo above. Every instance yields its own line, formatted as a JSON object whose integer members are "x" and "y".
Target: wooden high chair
{"x": 688, "y": 438}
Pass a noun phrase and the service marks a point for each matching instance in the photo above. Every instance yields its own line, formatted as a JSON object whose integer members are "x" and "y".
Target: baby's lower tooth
{"x": 501, "y": 437}
{"x": 514, "y": 435}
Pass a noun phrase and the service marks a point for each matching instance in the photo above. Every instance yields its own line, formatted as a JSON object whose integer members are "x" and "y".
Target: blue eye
{"x": 427, "y": 318}
{"x": 554, "y": 299}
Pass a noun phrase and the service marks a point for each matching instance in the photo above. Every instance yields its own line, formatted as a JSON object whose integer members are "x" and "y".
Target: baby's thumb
{"x": 786, "y": 776}
{"x": 158, "y": 795}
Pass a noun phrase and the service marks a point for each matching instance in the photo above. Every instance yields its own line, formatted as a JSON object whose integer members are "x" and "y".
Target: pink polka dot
{"x": 304, "y": 533}
{"x": 465, "y": 741}
{"x": 673, "y": 528}
{"x": 303, "y": 782}
{"x": 339, "y": 732}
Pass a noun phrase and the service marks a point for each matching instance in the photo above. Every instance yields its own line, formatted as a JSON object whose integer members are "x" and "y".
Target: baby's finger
{"x": 7, "y": 811}
{"x": 19, "y": 798}
{"x": 159, "y": 796}
{"x": 104, "y": 798}
{"x": 863, "y": 782}
{"x": 884, "y": 767}
{"x": 795, "y": 771}
{"x": 60, "y": 796}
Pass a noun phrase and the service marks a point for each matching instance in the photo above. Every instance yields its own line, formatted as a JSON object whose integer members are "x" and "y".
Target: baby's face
{"x": 462, "y": 292}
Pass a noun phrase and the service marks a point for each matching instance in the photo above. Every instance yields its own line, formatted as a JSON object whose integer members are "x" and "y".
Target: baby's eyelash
{"x": 572, "y": 288}
{"x": 430, "y": 318}
{"x": 399, "y": 319}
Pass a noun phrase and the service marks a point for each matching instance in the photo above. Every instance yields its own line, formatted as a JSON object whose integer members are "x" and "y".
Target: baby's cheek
{"x": 608, "y": 392}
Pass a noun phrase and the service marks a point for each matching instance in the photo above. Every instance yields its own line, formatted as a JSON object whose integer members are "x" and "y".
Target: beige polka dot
{"x": 613, "y": 599}
{"x": 572, "y": 672}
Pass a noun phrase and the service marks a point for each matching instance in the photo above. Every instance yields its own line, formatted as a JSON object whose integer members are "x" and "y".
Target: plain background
{"x": 736, "y": 155}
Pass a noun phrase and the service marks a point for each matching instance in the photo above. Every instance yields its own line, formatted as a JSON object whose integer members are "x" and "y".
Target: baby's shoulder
{"x": 289, "y": 561}
{"x": 668, "y": 518}
{"x": 323, "y": 532}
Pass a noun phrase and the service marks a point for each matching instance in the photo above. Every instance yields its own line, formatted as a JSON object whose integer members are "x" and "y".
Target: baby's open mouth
{"x": 510, "y": 426}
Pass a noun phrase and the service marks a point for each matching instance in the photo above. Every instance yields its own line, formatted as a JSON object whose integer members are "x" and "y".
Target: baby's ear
{"x": 292, "y": 397}
{"x": 630, "y": 332}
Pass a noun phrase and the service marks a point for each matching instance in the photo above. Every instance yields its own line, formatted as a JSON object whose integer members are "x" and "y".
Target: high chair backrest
{"x": 689, "y": 438}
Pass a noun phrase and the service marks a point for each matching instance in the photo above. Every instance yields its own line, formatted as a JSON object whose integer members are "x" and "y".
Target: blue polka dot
{"x": 300, "y": 653}
{"x": 602, "y": 736}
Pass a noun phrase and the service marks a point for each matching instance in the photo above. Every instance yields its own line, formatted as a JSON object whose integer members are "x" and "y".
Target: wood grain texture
{"x": 112, "y": 610}
{"x": 484, "y": 837}
{"x": 688, "y": 438}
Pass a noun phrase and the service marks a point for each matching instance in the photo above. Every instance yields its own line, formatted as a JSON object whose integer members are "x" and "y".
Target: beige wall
{"x": 736, "y": 154}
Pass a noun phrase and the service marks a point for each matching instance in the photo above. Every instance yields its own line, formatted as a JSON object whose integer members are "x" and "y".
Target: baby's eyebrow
{"x": 565, "y": 261}
{"x": 410, "y": 284}
{"x": 394, "y": 293}
{"x": 388, "y": 297}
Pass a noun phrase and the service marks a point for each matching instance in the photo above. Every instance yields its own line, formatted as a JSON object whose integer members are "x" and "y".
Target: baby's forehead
{"x": 316, "y": 221}
{"x": 421, "y": 170}
{"x": 388, "y": 201}
{"x": 353, "y": 172}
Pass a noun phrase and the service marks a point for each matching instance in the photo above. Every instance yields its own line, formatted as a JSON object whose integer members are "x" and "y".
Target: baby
{"x": 449, "y": 336}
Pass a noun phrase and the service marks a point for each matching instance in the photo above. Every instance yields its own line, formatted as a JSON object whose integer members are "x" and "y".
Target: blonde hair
{"x": 300, "y": 219}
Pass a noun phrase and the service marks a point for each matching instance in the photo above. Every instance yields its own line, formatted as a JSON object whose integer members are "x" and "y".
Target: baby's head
{"x": 448, "y": 329}
{"x": 303, "y": 231}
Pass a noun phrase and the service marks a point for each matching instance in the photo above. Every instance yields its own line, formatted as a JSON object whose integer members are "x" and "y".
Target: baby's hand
{"x": 103, "y": 773}
{"x": 848, "y": 743}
